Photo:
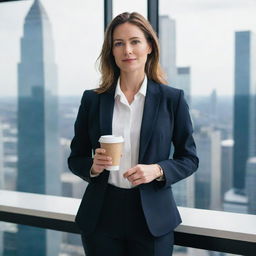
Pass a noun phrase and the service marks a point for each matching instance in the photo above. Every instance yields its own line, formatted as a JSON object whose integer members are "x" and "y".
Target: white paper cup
{"x": 113, "y": 146}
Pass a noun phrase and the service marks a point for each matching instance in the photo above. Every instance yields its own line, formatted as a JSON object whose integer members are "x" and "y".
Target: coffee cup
{"x": 113, "y": 146}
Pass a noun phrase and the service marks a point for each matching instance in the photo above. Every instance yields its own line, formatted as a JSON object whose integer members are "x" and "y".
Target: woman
{"x": 131, "y": 211}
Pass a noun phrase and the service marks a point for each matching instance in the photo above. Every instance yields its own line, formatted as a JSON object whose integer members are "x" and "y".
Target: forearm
{"x": 178, "y": 169}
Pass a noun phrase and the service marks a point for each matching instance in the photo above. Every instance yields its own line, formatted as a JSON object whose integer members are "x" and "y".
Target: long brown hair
{"x": 108, "y": 68}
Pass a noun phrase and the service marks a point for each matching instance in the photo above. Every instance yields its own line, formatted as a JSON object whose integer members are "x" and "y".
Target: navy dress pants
{"x": 122, "y": 229}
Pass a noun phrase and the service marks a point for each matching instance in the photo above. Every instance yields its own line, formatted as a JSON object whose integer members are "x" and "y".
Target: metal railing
{"x": 202, "y": 229}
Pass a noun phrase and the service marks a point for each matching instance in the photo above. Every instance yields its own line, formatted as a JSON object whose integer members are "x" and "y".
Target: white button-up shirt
{"x": 126, "y": 122}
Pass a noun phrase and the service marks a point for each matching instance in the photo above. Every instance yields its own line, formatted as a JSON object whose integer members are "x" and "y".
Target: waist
{"x": 114, "y": 188}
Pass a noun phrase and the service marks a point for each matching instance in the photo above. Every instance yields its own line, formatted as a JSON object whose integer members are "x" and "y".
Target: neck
{"x": 131, "y": 82}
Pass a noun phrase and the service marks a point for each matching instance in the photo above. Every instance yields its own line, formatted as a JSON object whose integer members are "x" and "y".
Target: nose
{"x": 127, "y": 50}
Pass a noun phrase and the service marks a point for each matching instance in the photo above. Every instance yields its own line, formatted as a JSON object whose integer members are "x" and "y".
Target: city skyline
{"x": 196, "y": 43}
{"x": 244, "y": 93}
{"x": 212, "y": 118}
{"x": 38, "y": 148}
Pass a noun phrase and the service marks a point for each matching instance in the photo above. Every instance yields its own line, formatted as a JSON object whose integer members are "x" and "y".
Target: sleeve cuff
{"x": 93, "y": 175}
{"x": 161, "y": 178}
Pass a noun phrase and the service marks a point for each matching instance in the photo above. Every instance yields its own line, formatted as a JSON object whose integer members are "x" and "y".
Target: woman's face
{"x": 130, "y": 48}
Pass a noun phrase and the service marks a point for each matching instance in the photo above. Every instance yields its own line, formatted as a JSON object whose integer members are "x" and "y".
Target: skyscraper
{"x": 38, "y": 133}
{"x": 167, "y": 35}
{"x": 213, "y": 107}
{"x": 235, "y": 202}
{"x": 184, "y": 192}
{"x": 1, "y": 158}
{"x": 1, "y": 180}
{"x": 208, "y": 183}
{"x": 250, "y": 185}
{"x": 184, "y": 82}
{"x": 226, "y": 166}
{"x": 244, "y": 112}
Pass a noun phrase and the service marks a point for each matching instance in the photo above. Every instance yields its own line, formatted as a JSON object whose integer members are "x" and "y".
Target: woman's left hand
{"x": 142, "y": 173}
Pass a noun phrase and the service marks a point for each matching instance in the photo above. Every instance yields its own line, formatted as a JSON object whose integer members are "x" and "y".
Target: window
{"x": 48, "y": 58}
{"x": 208, "y": 50}
{"x": 120, "y": 6}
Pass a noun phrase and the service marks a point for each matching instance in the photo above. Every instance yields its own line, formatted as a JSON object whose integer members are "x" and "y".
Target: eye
{"x": 116, "y": 44}
{"x": 135, "y": 41}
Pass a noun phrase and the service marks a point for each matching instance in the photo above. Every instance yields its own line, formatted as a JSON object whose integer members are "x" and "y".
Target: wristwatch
{"x": 161, "y": 172}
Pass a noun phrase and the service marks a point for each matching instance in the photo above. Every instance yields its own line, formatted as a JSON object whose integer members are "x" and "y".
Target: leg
{"x": 156, "y": 246}
{"x": 99, "y": 244}
{"x": 139, "y": 240}
{"x": 107, "y": 238}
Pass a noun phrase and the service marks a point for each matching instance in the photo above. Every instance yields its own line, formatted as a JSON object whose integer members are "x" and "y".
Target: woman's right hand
{"x": 100, "y": 162}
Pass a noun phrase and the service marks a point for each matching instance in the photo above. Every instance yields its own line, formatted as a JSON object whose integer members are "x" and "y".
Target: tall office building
{"x": 167, "y": 36}
{"x": 250, "y": 184}
{"x": 226, "y": 166}
{"x": 1, "y": 158}
{"x": 184, "y": 192}
{"x": 213, "y": 107}
{"x": 38, "y": 133}
{"x": 235, "y": 202}
{"x": 1, "y": 181}
{"x": 244, "y": 116}
{"x": 72, "y": 186}
{"x": 252, "y": 127}
{"x": 208, "y": 183}
{"x": 184, "y": 82}
{"x": 244, "y": 112}
{"x": 65, "y": 152}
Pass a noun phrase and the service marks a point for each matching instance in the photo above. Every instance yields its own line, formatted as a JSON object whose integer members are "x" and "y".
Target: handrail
{"x": 203, "y": 229}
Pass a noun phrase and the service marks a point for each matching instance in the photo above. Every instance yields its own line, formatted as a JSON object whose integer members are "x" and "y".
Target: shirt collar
{"x": 142, "y": 90}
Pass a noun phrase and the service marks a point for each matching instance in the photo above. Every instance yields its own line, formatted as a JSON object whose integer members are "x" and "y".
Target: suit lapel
{"x": 106, "y": 111}
{"x": 151, "y": 107}
{"x": 150, "y": 113}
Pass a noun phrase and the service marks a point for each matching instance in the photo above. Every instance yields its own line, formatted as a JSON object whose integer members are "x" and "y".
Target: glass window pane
{"x": 46, "y": 242}
{"x": 208, "y": 50}
{"x": 48, "y": 58}
{"x": 120, "y": 6}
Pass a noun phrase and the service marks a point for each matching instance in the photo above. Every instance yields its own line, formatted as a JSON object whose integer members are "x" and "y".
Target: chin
{"x": 130, "y": 69}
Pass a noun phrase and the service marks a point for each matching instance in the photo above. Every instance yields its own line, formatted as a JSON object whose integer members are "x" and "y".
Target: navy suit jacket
{"x": 165, "y": 119}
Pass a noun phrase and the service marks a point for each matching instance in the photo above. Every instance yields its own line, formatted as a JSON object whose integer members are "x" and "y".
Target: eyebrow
{"x": 135, "y": 37}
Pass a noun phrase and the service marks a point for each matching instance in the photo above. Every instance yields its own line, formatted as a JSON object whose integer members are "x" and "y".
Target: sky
{"x": 205, "y": 37}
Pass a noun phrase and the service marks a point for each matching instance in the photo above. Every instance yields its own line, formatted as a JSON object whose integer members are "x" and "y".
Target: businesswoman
{"x": 131, "y": 211}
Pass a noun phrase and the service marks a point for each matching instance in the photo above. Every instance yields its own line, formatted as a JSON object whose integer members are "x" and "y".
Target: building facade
{"x": 184, "y": 82}
{"x": 38, "y": 131}
{"x": 245, "y": 83}
{"x": 167, "y": 36}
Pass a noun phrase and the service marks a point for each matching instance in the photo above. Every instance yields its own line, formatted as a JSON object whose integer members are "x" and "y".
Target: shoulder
{"x": 171, "y": 96}
{"x": 90, "y": 93}
{"x": 168, "y": 92}
{"x": 89, "y": 96}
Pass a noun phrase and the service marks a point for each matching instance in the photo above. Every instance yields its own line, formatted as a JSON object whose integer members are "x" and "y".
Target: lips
{"x": 128, "y": 60}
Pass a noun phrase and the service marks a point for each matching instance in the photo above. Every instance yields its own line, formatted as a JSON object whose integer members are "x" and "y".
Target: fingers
{"x": 101, "y": 161}
{"x": 100, "y": 151}
{"x": 130, "y": 172}
{"x": 135, "y": 175}
{"x": 101, "y": 158}
{"x": 140, "y": 174}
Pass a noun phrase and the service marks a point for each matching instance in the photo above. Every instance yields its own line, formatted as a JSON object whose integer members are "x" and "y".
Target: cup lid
{"x": 111, "y": 139}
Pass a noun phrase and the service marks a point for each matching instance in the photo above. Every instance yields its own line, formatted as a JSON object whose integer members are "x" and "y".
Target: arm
{"x": 80, "y": 160}
{"x": 185, "y": 160}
